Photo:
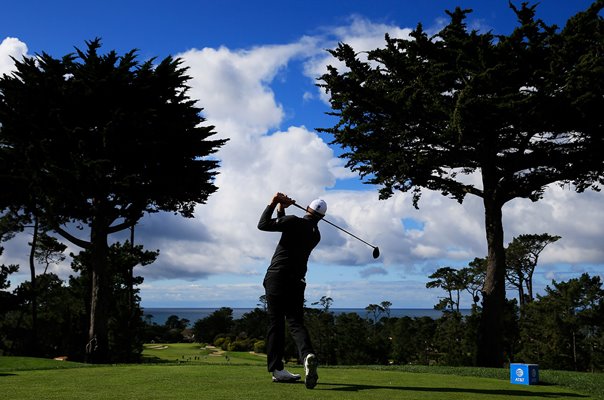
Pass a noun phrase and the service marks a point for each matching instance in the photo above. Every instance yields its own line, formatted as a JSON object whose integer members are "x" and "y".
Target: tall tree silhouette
{"x": 96, "y": 141}
{"x": 521, "y": 111}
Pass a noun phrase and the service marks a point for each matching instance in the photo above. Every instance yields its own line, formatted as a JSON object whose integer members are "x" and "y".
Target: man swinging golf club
{"x": 285, "y": 284}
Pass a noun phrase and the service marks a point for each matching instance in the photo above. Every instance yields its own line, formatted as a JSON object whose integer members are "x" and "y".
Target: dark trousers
{"x": 285, "y": 303}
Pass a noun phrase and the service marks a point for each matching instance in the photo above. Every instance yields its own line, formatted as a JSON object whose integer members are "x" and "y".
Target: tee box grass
{"x": 173, "y": 372}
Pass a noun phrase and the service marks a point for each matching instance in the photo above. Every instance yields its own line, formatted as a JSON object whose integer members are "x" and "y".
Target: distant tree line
{"x": 57, "y": 324}
{"x": 562, "y": 329}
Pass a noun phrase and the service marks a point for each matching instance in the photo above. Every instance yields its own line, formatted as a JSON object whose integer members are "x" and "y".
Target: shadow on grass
{"x": 156, "y": 360}
{"x": 348, "y": 387}
{"x": 6, "y": 374}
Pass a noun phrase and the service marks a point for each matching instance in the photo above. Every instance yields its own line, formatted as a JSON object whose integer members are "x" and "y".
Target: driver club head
{"x": 376, "y": 252}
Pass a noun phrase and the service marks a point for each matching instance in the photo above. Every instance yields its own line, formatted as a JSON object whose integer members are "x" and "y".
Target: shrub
{"x": 260, "y": 346}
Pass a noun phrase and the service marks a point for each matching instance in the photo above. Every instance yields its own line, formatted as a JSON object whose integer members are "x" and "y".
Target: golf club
{"x": 376, "y": 250}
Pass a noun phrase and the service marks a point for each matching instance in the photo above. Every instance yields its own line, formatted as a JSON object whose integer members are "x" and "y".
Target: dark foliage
{"x": 521, "y": 110}
{"x": 98, "y": 140}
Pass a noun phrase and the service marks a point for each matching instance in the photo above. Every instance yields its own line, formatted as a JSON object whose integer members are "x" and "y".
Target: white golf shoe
{"x": 310, "y": 369}
{"x": 285, "y": 376}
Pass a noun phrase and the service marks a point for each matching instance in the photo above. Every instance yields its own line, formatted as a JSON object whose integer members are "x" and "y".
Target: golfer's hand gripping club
{"x": 282, "y": 200}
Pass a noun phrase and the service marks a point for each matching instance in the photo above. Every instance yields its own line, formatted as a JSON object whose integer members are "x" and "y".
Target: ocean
{"x": 160, "y": 315}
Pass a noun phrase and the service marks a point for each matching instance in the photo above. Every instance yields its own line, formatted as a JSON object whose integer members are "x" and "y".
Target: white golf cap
{"x": 319, "y": 206}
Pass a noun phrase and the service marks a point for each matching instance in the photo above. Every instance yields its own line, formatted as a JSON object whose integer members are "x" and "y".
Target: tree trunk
{"x": 97, "y": 349}
{"x": 529, "y": 287}
{"x": 34, "y": 291}
{"x": 490, "y": 334}
{"x": 451, "y": 302}
{"x": 129, "y": 340}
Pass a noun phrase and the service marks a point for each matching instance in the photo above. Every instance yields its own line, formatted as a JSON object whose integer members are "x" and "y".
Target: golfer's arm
{"x": 267, "y": 223}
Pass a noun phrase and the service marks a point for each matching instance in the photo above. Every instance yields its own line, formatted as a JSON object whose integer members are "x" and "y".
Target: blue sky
{"x": 253, "y": 66}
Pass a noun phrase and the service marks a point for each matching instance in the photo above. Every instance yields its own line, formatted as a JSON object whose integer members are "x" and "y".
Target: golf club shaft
{"x": 342, "y": 229}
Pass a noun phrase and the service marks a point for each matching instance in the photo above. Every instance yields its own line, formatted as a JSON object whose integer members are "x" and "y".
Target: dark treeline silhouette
{"x": 62, "y": 310}
{"x": 89, "y": 144}
{"x": 562, "y": 329}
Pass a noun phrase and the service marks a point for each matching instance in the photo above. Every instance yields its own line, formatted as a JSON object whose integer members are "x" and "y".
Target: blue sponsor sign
{"x": 524, "y": 374}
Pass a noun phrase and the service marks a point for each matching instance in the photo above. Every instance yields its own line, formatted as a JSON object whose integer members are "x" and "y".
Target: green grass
{"x": 193, "y": 353}
{"x": 244, "y": 375}
{"x": 12, "y": 364}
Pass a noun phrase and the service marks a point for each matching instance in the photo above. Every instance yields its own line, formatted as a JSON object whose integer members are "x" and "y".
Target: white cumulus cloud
{"x": 264, "y": 155}
{"x": 11, "y": 47}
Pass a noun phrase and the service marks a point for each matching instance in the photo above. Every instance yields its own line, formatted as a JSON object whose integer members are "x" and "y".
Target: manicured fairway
{"x": 193, "y": 353}
{"x": 215, "y": 381}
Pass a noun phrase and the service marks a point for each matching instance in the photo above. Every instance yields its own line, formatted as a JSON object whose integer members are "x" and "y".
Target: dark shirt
{"x": 299, "y": 237}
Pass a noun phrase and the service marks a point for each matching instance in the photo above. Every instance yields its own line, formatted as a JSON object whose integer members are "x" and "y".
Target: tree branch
{"x": 78, "y": 242}
{"x": 120, "y": 227}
